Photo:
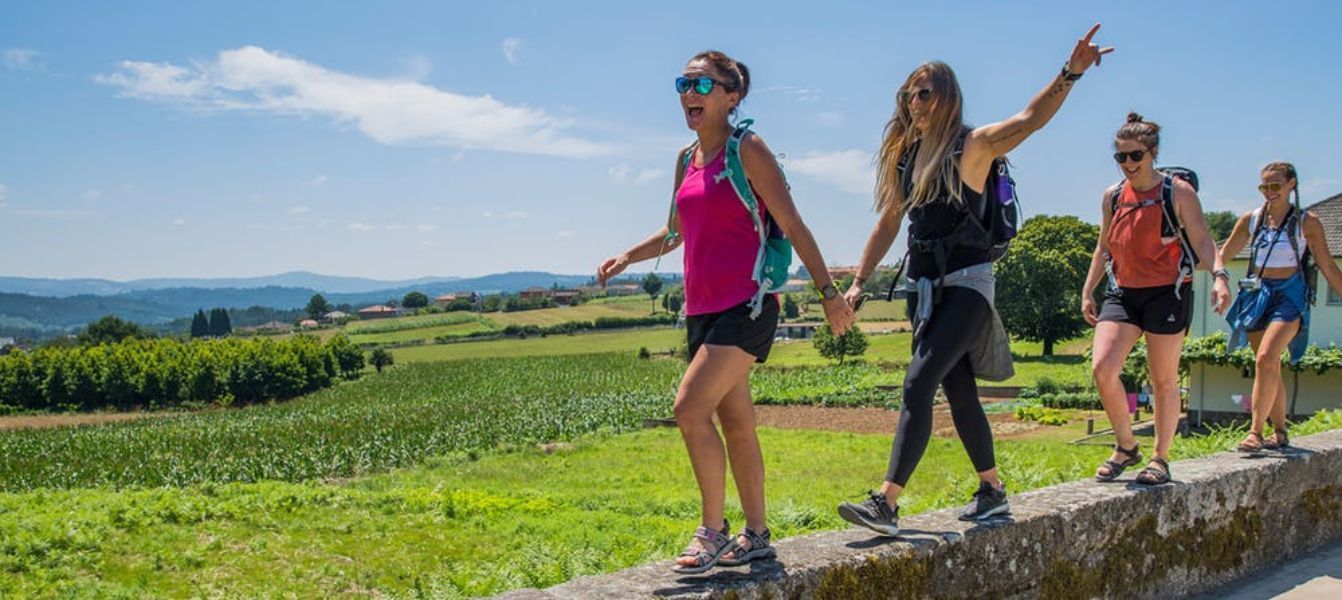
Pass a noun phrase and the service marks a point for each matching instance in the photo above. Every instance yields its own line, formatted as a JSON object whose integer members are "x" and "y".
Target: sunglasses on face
{"x": 922, "y": 95}
{"x": 701, "y": 85}
{"x": 1270, "y": 187}
{"x": 1135, "y": 156}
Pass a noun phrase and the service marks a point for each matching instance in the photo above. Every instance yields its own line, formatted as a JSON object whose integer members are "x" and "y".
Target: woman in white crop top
{"x": 1271, "y": 312}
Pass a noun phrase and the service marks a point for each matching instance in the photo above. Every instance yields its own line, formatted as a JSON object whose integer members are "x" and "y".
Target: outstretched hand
{"x": 1085, "y": 53}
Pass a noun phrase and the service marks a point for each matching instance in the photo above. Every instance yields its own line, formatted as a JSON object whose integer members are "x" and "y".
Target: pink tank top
{"x": 720, "y": 240}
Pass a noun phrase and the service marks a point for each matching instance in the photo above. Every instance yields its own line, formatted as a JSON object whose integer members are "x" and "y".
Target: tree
{"x": 348, "y": 357}
{"x": 415, "y": 300}
{"x": 853, "y": 343}
{"x": 1039, "y": 280}
{"x": 317, "y": 306}
{"x": 110, "y": 330}
{"x": 1220, "y": 223}
{"x": 790, "y": 309}
{"x": 652, "y": 285}
{"x": 674, "y": 299}
{"x": 220, "y": 325}
{"x": 380, "y": 358}
{"x": 200, "y": 325}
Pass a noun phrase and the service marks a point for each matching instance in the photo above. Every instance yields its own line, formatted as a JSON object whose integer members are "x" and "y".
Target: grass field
{"x": 458, "y": 526}
{"x": 658, "y": 339}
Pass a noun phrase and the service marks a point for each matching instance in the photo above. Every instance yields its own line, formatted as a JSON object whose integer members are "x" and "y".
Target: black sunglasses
{"x": 1135, "y": 156}
{"x": 701, "y": 85}
{"x": 923, "y": 95}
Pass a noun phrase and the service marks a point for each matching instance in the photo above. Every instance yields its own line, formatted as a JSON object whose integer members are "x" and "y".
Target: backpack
{"x": 989, "y": 225}
{"x": 1294, "y": 225}
{"x": 1170, "y": 225}
{"x": 774, "y": 258}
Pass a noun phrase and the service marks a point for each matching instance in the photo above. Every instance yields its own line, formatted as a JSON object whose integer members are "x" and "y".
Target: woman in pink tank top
{"x": 725, "y": 339}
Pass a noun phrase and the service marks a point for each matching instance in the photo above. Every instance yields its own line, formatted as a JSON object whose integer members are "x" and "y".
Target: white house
{"x": 1217, "y": 392}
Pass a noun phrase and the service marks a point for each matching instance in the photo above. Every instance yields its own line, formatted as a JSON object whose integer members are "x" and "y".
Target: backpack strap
{"x": 735, "y": 172}
{"x": 1188, "y": 259}
{"x": 682, "y": 165}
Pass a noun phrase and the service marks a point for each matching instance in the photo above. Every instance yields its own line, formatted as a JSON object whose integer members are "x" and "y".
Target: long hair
{"x": 934, "y": 170}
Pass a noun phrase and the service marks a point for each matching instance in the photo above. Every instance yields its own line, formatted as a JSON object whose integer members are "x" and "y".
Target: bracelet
{"x": 1221, "y": 273}
{"x": 1068, "y": 75}
{"x": 860, "y": 281}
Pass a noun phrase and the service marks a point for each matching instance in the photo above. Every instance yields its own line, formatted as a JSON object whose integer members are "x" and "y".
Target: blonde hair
{"x": 935, "y": 169}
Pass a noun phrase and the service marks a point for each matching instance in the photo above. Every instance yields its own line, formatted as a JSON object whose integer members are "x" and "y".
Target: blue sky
{"x": 397, "y": 140}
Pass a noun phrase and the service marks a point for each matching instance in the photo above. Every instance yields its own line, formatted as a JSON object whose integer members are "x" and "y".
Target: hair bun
{"x": 1134, "y": 118}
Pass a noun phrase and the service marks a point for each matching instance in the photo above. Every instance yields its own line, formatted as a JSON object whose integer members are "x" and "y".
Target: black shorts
{"x": 1154, "y": 309}
{"x": 734, "y": 327}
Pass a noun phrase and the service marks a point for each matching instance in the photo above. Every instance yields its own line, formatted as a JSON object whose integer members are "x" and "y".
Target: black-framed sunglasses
{"x": 922, "y": 95}
{"x": 1134, "y": 156}
{"x": 701, "y": 85}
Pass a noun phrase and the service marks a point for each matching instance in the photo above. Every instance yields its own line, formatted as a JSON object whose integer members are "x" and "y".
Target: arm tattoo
{"x": 1060, "y": 87}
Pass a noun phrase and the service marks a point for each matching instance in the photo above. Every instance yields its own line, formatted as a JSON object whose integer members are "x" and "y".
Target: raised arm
{"x": 1098, "y": 260}
{"x": 996, "y": 139}
{"x": 766, "y": 178}
{"x": 1318, "y": 246}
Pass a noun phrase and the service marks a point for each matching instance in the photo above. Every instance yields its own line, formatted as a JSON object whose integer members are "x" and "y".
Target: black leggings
{"x": 940, "y": 357}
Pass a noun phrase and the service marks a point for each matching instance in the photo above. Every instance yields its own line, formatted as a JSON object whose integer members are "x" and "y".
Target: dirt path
{"x": 876, "y": 420}
{"x": 62, "y": 420}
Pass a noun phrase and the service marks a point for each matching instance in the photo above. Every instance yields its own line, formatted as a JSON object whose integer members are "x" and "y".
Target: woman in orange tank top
{"x": 1150, "y": 293}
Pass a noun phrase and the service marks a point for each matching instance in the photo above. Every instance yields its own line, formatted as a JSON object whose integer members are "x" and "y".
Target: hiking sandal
{"x": 1252, "y": 444}
{"x": 709, "y": 549}
{"x": 1280, "y": 441}
{"x": 1115, "y": 469}
{"x": 1153, "y": 476}
{"x": 759, "y": 548}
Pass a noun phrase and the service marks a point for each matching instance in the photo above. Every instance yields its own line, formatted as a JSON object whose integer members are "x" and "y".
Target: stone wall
{"x": 1221, "y": 518}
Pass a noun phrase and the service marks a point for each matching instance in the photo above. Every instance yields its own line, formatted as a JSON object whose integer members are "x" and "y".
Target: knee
{"x": 737, "y": 424}
{"x": 689, "y": 415}
{"x": 1106, "y": 369}
{"x": 1267, "y": 362}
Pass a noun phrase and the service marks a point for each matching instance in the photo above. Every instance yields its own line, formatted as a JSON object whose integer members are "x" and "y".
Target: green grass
{"x": 423, "y": 333}
{"x": 460, "y": 526}
{"x": 659, "y": 339}
{"x": 582, "y": 312}
{"x": 409, "y": 323}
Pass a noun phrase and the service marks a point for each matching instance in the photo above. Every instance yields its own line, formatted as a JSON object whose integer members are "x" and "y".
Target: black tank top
{"x": 938, "y": 218}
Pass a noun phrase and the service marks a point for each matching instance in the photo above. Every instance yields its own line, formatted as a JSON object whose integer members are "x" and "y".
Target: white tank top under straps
{"x": 1273, "y": 245}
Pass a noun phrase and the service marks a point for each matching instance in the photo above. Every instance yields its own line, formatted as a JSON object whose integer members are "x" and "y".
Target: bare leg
{"x": 1163, "y": 362}
{"x": 1113, "y": 341}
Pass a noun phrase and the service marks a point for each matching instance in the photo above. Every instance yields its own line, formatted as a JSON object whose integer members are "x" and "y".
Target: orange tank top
{"x": 1142, "y": 257}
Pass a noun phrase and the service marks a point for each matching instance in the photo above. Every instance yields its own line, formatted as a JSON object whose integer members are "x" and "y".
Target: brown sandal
{"x": 1252, "y": 444}
{"x": 1280, "y": 441}
{"x": 1153, "y": 475}
{"x": 1114, "y": 469}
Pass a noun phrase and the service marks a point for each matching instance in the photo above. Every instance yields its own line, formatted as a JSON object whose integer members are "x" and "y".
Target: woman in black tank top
{"x": 932, "y": 167}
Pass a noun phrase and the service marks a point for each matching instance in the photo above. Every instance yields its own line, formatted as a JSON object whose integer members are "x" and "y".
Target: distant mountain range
{"x": 31, "y": 307}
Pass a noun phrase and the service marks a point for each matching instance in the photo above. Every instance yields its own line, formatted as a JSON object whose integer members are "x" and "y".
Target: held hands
{"x": 1220, "y": 295}
{"x": 1086, "y": 54}
{"x": 851, "y": 296}
{"x": 839, "y": 314}
{"x": 611, "y": 267}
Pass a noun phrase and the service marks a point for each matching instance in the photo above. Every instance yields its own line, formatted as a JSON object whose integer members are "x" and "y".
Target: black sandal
{"x": 1133, "y": 459}
{"x": 1252, "y": 444}
{"x": 759, "y": 548}
{"x": 1153, "y": 476}
{"x": 1280, "y": 441}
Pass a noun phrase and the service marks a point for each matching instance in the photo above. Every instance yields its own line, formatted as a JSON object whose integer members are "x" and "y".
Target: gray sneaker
{"x": 988, "y": 502}
{"x": 874, "y": 513}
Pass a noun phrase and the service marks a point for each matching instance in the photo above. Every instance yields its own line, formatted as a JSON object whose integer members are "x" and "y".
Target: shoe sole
{"x": 856, "y": 519}
{"x": 990, "y": 513}
{"x": 750, "y": 556}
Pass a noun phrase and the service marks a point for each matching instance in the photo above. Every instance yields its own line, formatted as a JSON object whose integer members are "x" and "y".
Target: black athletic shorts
{"x": 734, "y": 327}
{"x": 1154, "y": 309}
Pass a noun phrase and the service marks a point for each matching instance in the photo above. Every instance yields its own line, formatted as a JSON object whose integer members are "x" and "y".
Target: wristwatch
{"x": 1221, "y": 273}
{"x": 829, "y": 292}
{"x": 1068, "y": 75}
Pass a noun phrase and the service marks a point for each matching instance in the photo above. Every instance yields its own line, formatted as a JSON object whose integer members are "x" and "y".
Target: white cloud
{"x": 298, "y": 210}
{"x": 850, "y": 171}
{"x": 623, "y": 173}
{"x": 516, "y": 215}
{"x": 4, "y": 196}
{"x": 388, "y": 110}
{"x": 21, "y": 59}
{"x": 393, "y": 227}
{"x": 512, "y": 50}
{"x": 360, "y": 227}
{"x": 489, "y": 214}
{"x": 91, "y": 194}
{"x": 565, "y": 233}
{"x": 319, "y": 180}
{"x": 179, "y": 221}
{"x": 424, "y": 227}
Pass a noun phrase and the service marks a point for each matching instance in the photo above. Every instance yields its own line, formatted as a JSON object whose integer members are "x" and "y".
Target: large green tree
{"x": 317, "y": 306}
{"x": 110, "y": 330}
{"x": 415, "y": 300}
{"x": 1039, "y": 280}
{"x": 1220, "y": 223}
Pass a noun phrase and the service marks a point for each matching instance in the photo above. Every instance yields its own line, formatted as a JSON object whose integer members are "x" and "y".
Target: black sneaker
{"x": 873, "y": 513}
{"x": 988, "y": 502}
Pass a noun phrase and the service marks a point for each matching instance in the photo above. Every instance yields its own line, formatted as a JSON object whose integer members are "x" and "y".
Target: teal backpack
{"x": 775, "y": 254}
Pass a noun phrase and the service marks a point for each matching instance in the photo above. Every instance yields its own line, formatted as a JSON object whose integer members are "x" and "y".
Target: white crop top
{"x": 1272, "y": 246}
